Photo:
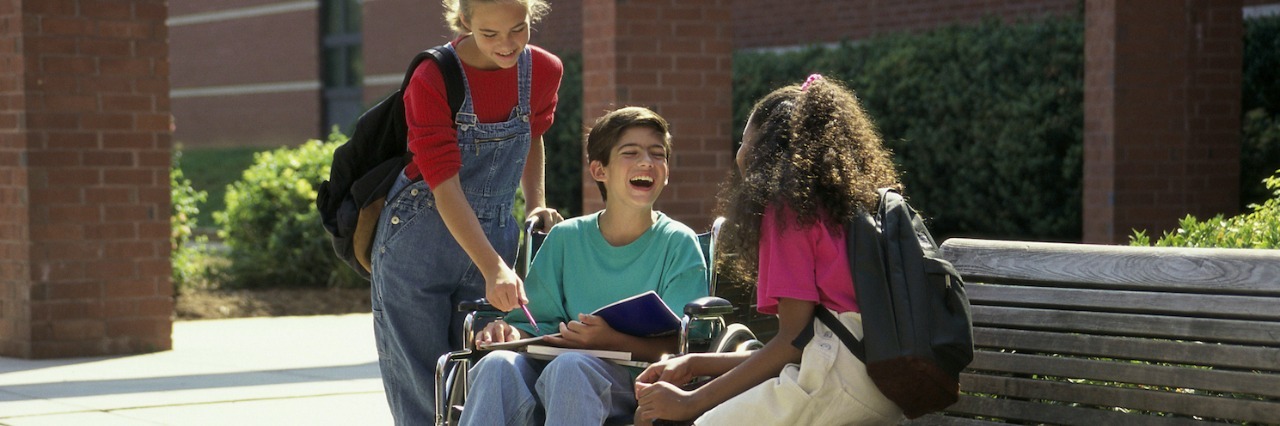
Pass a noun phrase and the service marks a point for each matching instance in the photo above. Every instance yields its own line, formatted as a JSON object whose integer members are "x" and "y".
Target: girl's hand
{"x": 588, "y": 332}
{"x": 677, "y": 371}
{"x": 505, "y": 291}
{"x": 547, "y": 217}
{"x": 665, "y": 401}
{"x": 497, "y": 332}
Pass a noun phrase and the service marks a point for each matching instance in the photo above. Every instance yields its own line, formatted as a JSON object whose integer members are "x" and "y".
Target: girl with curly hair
{"x": 810, "y": 161}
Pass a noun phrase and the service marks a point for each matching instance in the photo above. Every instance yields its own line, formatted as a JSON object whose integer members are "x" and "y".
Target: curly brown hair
{"x": 816, "y": 151}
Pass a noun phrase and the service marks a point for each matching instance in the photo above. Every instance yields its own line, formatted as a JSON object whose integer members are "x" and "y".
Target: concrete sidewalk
{"x": 320, "y": 370}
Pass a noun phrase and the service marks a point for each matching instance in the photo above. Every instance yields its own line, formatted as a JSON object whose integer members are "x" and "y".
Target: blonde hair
{"x": 455, "y": 10}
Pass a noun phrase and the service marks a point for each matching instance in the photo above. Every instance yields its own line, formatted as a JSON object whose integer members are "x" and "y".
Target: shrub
{"x": 1257, "y": 229}
{"x": 1261, "y": 63}
{"x": 563, "y": 143}
{"x": 1260, "y": 152}
{"x": 187, "y": 249}
{"x": 271, "y": 227}
{"x": 985, "y": 121}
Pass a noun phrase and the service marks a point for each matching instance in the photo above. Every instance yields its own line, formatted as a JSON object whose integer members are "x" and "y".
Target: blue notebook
{"x": 642, "y": 315}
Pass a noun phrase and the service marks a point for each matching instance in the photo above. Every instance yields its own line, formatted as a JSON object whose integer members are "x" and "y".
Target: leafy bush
{"x": 1257, "y": 229}
{"x": 211, "y": 170}
{"x": 1260, "y": 152}
{"x": 1262, "y": 63}
{"x": 187, "y": 253}
{"x": 563, "y": 143}
{"x": 271, "y": 226}
{"x": 985, "y": 121}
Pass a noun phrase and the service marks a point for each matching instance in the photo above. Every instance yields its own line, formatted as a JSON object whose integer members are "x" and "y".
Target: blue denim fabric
{"x": 420, "y": 272}
{"x": 508, "y": 388}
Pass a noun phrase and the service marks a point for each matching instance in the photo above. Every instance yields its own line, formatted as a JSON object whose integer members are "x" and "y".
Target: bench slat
{"x": 1127, "y": 372}
{"x": 1228, "y": 356}
{"x": 1136, "y": 399}
{"x": 1222, "y": 271}
{"x": 1043, "y": 413}
{"x": 1207, "y": 330}
{"x": 1179, "y": 304}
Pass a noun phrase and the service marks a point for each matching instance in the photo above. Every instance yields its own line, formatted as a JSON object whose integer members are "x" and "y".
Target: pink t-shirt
{"x": 805, "y": 263}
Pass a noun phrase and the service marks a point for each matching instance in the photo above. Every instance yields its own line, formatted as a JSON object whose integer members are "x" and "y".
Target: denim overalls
{"x": 420, "y": 272}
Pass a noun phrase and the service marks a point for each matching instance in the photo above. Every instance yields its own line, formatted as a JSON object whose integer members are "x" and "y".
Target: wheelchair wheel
{"x": 735, "y": 338}
{"x": 456, "y": 384}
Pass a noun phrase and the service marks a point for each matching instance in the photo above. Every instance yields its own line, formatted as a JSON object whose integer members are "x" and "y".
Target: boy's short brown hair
{"x": 608, "y": 129}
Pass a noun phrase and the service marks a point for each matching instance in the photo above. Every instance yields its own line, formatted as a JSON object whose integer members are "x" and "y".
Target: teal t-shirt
{"x": 577, "y": 271}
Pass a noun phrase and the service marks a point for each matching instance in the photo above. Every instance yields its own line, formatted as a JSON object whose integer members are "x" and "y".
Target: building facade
{"x": 278, "y": 72}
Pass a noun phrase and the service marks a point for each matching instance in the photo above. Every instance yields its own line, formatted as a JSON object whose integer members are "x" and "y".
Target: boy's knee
{"x": 500, "y": 361}
{"x": 572, "y": 361}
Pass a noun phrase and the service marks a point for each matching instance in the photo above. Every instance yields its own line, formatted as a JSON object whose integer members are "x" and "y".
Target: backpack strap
{"x": 843, "y": 333}
{"x": 447, "y": 62}
{"x": 450, "y": 71}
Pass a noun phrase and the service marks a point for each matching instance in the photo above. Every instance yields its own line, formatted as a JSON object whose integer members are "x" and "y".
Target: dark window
{"x": 341, "y": 64}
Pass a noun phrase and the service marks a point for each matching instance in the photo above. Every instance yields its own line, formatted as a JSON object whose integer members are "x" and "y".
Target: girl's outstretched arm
{"x": 666, "y": 401}
{"x": 502, "y": 286}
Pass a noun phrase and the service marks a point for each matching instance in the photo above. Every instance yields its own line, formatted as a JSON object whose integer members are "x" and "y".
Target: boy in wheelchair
{"x": 584, "y": 264}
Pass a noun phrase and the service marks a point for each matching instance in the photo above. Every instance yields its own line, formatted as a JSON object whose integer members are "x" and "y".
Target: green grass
{"x": 211, "y": 170}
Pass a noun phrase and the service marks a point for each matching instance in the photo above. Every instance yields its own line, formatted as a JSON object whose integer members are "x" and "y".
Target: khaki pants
{"x": 830, "y": 386}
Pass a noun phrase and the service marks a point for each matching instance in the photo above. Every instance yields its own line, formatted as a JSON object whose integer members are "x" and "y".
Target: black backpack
{"x": 367, "y": 165}
{"x": 917, "y": 329}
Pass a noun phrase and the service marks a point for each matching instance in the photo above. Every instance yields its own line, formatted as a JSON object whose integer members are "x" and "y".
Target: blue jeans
{"x": 420, "y": 275}
{"x": 508, "y": 388}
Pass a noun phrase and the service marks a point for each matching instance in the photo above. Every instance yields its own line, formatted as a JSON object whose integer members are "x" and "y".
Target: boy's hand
{"x": 505, "y": 291}
{"x": 497, "y": 332}
{"x": 588, "y": 332}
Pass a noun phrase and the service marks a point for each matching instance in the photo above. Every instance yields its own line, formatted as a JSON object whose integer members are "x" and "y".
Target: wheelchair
{"x": 451, "y": 377}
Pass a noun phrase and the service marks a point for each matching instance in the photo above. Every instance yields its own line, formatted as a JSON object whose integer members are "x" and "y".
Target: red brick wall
{"x": 679, "y": 64}
{"x": 15, "y": 247}
{"x": 84, "y": 174}
{"x": 242, "y": 55}
{"x": 1162, "y": 114}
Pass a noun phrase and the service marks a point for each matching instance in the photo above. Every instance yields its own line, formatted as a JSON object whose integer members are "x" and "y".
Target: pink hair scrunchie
{"x": 812, "y": 78}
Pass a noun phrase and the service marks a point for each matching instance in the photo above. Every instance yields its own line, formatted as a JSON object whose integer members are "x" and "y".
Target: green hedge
{"x": 186, "y": 246}
{"x": 985, "y": 121}
{"x": 1258, "y": 229}
{"x": 563, "y": 142}
{"x": 271, "y": 226}
{"x": 1261, "y": 107}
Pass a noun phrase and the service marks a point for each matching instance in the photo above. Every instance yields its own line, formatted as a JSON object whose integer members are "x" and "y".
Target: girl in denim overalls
{"x": 451, "y": 235}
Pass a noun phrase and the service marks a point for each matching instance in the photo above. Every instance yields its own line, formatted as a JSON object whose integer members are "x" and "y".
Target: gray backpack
{"x": 917, "y": 329}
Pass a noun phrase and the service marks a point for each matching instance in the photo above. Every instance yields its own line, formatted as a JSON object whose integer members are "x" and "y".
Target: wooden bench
{"x": 1115, "y": 335}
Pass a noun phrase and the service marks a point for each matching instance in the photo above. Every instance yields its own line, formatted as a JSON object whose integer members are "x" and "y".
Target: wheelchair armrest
{"x": 708, "y": 307}
{"x": 481, "y": 307}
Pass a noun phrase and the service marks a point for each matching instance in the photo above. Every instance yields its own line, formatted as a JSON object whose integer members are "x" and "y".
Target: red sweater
{"x": 432, "y": 137}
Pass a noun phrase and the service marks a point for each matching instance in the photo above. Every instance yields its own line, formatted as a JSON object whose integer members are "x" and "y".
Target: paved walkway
{"x": 320, "y": 370}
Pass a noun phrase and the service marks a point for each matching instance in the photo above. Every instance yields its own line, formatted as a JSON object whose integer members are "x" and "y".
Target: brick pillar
{"x": 1162, "y": 114}
{"x": 84, "y": 178}
{"x": 675, "y": 57}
